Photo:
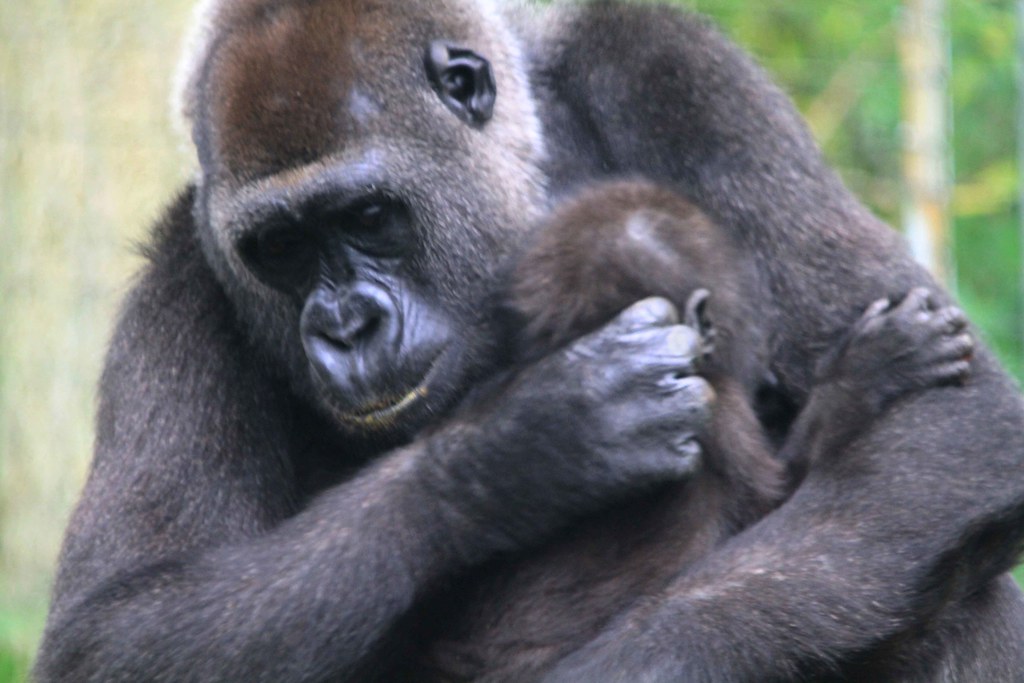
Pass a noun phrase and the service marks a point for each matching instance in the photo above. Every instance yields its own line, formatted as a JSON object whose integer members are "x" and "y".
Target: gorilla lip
{"x": 382, "y": 412}
{"x": 376, "y": 416}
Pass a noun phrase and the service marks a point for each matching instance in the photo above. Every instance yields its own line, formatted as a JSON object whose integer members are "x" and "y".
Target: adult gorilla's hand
{"x": 612, "y": 414}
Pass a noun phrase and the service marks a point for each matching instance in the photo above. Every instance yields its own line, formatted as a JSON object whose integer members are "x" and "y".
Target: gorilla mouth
{"x": 384, "y": 411}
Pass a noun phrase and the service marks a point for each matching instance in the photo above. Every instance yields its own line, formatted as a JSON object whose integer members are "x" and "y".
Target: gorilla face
{"x": 377, "y": 344}
{"x": 361, "y": 184}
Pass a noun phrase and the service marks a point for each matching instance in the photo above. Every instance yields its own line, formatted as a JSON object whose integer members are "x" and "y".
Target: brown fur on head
{"x": 283, "y": 97}
{"x": 313, "y": 75}
{"x": 618, "y": 242}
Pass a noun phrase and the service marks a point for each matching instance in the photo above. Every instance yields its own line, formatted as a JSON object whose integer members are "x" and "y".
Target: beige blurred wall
{"x": 88, "y": 156}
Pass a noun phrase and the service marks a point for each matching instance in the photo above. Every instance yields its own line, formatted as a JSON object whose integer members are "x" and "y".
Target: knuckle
{"x": 920, "y": 293}
{"x": 651, "y": 312}
{"x": 965, "y": 341}
{"x": 682, "y": 341}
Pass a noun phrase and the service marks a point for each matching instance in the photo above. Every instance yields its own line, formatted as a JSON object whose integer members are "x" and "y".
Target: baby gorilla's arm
{"x": 889, "y": 352}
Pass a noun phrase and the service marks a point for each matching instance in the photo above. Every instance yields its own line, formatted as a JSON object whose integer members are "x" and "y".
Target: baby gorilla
{"x": 623, "y": 242}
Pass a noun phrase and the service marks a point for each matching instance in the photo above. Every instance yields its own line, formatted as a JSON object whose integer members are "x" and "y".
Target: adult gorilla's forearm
{"x": 234, "y": 612}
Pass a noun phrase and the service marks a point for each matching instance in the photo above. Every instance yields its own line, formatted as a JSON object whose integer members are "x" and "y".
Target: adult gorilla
{"x": 264, "y": 503}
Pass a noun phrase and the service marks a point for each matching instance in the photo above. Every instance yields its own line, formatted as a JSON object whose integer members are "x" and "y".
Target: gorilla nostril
{"x": 353, "y": 331}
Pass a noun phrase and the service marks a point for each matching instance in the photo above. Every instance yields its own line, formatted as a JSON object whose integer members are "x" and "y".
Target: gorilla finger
{"x": 666, "y": 349}
{"x": 871, "y": 320}
{"x": 916, "y": 302}
{"x": 685, "y": 388}
{"x": 951, "y": 320}
{"x": 686, "y": 446}
{"x": 651, "y": 312}
{"x": 949, "y": 350}
{"x": 694, "y": 388}
{"x": 687, "y": 454}
{"x": 960, "y": 347}
{"x": 688, "y": 403}
{"x": 877, "y": 308}
{"x": 677, "y": 405}
{"x": 954, "y": 372}
{"x": 678, "y": 462}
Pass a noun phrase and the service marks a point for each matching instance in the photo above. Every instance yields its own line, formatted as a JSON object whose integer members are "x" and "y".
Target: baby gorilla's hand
{"x": 893, "y": 350}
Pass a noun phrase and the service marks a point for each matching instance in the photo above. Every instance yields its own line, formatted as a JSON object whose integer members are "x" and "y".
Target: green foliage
{"x": 19, "y": 628}
{"x": 13, "y": 666}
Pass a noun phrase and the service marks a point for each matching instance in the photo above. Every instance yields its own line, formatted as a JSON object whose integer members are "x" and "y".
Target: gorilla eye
{"x": 463, "y": 80}
{"x": 457, "y": 83}
{"x": 276, "y": 245}
{"x": 376, "y": 224}
{"x": 370, "y": 216}
{"x": 279, "y": 255}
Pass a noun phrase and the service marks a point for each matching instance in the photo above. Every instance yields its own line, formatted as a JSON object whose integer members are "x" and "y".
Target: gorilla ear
{"x": 463, "y": 80}
{"x": 696, "y": 315}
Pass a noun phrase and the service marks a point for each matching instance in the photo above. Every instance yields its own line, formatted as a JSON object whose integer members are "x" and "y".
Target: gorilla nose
{"x": 357, "y": 321}
{"x": 361, "y": 318}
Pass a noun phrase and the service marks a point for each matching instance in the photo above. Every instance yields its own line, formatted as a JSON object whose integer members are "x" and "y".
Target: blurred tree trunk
{"x": 924, "y": 53}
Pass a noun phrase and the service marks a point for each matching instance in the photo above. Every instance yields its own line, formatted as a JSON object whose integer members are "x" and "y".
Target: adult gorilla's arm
{"x": 869, "y": 545}
{"x": 194, "y": 555}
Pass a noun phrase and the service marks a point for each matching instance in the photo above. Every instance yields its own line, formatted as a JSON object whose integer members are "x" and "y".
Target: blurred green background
{"x": 88, "y": 156}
